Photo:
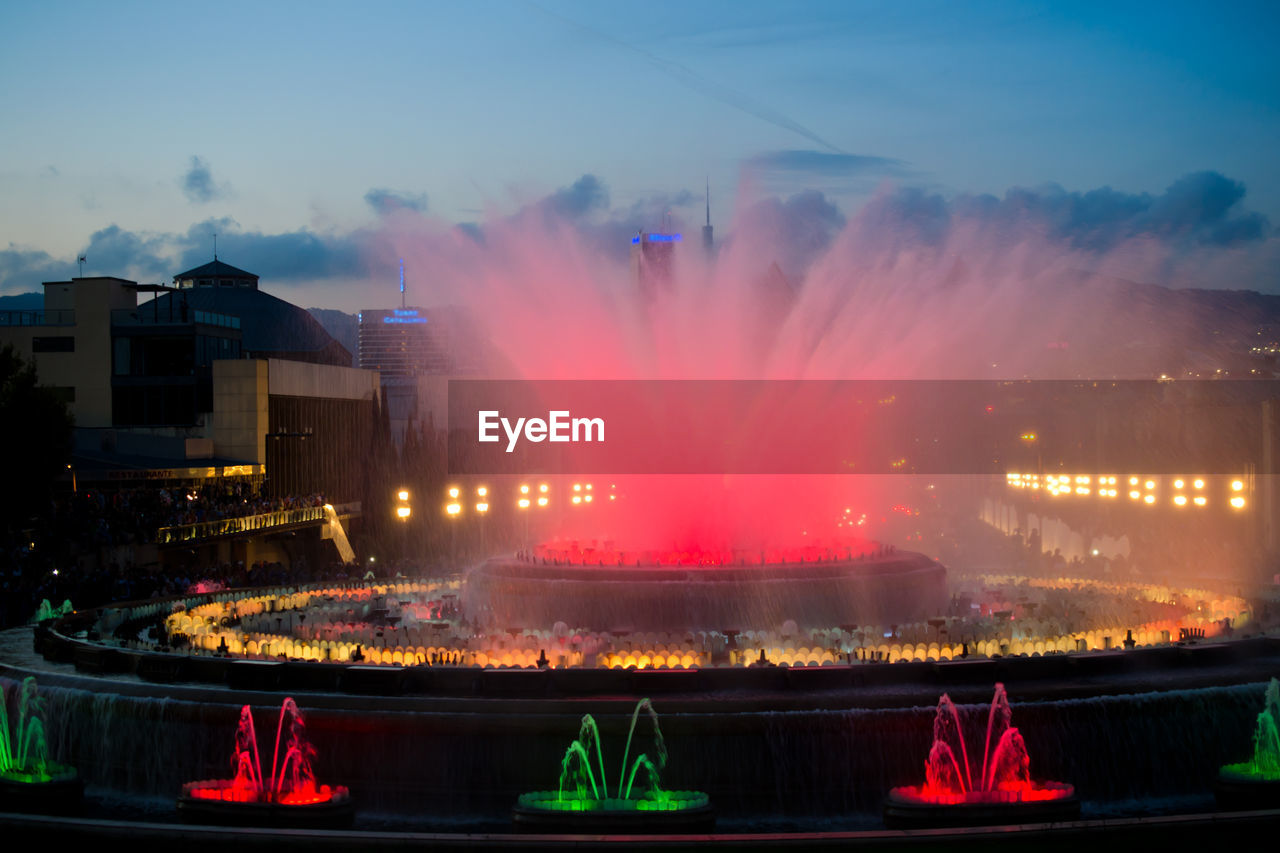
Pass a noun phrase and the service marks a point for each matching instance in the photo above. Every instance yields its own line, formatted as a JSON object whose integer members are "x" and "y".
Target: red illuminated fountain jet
{"x": 1001, "y": 791}
{"x": 288, "y": 797}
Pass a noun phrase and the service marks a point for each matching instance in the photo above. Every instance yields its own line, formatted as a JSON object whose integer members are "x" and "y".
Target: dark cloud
{"x": 24, "y": 269}
{"x": 799, "y": 229}
{"x": 115, "y": 251}
{"x": 793, "y": 162}
{"x": 385, "y": 201}
{"x": 198, "y": 184}
{"x": 584, "y": 197}
{"x": 1200, "y": 209}
{"x": 289, "y": 257}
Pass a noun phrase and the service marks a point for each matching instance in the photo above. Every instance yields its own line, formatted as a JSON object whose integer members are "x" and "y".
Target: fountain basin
{"x": 913, "y": 807}
{"x": 664, "y": 812}
{"x": 58, "y": 790}
{"x": 224, "y": 803}
{"x": 1242, "y": 787}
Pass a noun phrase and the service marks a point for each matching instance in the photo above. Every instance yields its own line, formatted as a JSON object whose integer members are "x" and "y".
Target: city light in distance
{"x": 403, "y": 494}
{"x": 403, "y": 512}
{"x": 453, "y": 491}
{"x": 453, "y": 508}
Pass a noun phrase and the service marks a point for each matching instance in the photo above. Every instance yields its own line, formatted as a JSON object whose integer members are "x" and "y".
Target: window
{"x": 60, "y": 343}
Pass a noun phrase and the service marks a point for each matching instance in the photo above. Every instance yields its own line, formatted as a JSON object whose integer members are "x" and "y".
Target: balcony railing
{"x": 54, "y": 317}
{"x": 172, "y": 315}
{"x": 243, "y": 524}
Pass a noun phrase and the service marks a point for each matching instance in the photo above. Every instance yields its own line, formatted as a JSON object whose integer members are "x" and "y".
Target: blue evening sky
{"x": 156, "y": 117}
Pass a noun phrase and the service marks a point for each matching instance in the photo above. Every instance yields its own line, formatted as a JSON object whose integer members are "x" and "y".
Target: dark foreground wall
{"x": 473, "y": 760}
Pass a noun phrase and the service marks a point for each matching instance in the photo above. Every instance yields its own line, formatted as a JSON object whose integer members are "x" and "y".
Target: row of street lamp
{"x": 582, "y": 493}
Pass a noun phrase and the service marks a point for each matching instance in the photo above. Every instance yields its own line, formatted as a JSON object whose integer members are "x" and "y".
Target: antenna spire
{"x": 708, "y": 199}
{"x": 215, "y": 245}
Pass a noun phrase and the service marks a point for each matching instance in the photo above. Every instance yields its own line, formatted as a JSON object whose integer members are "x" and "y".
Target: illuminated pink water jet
{"x": 957, "y": 790}
{"x": 288, "y": 793}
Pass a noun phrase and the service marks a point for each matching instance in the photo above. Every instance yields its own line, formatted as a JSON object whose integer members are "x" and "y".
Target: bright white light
{"x": 1180, "y": 500}
{"x": 403, "y": 511}
{"x": 453, "y": 508}
{"x": 453, "y": 492}
{"x": 1237, "y": 485}
{"x": 403, "y": 494}
{"x": 1237, "y": 502}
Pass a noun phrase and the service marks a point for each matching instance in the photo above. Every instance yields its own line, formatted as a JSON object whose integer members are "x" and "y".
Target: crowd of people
{"x": 87, "y": 546}
{"x": 96, "y": 518}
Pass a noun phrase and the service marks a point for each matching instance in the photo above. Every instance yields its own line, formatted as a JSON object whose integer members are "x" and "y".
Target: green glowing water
{"x": 580, "y": 787}
{"x": 24, "y": 754}
{"x": 48, "y": 611}
{"x": 1265, "y": 764}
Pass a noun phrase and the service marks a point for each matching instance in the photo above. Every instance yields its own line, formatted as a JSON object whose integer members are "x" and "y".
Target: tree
{"x": 35, "y": 434}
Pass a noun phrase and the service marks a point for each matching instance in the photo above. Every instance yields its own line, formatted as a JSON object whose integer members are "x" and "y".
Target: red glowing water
{"x": 291, "y": 783}
{"x": 577, "y": 553}
{"x": 1005, "y": 774}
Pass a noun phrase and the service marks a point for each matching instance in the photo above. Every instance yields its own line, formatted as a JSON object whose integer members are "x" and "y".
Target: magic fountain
{"x": 582, "y": 801}
{"x": 1001, "y": 792}
{"x": 289, "y": 796}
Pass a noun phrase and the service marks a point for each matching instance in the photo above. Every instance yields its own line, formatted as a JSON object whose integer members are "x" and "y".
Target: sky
{"x": 314, "y": 138}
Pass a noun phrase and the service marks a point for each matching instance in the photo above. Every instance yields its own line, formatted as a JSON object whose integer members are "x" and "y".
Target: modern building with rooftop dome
{"x": 270, "y": 327}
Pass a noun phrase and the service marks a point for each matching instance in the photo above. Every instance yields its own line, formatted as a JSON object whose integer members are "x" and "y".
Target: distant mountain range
{"x": 22, "y": 302}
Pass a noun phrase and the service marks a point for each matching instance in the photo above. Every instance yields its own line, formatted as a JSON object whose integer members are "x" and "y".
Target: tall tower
{"x": 707, "y": 231}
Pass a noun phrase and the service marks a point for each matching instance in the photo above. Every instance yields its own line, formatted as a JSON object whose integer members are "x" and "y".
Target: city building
{"x": 180, "y": 389}
{"x": 653, "y": 262}
{"x": 416, "y": 351}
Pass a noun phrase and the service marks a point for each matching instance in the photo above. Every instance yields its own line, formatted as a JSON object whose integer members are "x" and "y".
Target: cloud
{"x": 22, "y": 270}
{"x": 385, "y": 202}
{"x": 198, "y": 184}
{"x": 823, "y": 164}
{"x": 1199, "y": 209}
{"x": 288, "y": 257}
{"x": 115, "y": 251}
{"x": 798, "y": 229}
{"x": 585, "y": 196}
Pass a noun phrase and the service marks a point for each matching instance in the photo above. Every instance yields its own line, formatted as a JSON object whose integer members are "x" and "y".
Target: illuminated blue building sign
{"x": 404, "y": 315}
{"x": 658, "y": 238}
